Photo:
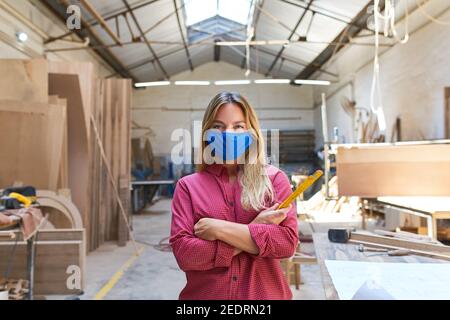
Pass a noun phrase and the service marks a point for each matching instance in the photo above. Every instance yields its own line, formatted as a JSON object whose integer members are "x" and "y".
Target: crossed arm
{"x": 235, "y": 234}
{"x": 211, "y": 243}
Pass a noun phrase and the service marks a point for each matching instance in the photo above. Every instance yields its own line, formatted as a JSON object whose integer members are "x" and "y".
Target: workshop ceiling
{"x": 178, "y": 37}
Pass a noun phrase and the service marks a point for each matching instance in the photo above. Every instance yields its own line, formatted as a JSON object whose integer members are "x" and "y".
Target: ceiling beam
{"x": 296, "y": 61}
{"x": 182, "y": 36}
{"x": 340, "y": 41}
{"x": 136, "y": 22}
{"x": 59, "y": 9}
{"x": 315, "y": 11}
{"x": 90, "y": 8}
{"x": 290, "y": 36}
{"x": 122, "y": 12}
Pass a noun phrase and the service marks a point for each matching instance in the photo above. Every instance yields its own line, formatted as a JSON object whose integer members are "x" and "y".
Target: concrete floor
{"x": 155, "y": 274}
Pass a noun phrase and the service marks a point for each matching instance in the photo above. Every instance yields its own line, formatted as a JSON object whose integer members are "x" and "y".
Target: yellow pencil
{"x": 301, "y": 188}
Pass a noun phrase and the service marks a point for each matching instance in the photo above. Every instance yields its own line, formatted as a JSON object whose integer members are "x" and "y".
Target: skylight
{"x": 199, "y": 10}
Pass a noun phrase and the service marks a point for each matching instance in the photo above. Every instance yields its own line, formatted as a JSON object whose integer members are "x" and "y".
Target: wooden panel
{"x": 68, "y": 86}
{"x": 31, "y": 139}
{"x": 87, "y": 76}
{"x": 24, "y": 80}
{"x": 383, "y": 170}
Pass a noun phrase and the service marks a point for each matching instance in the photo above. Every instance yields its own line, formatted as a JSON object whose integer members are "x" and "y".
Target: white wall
{"x": 152, "y": 106}
{"x": 413, "y": 78}
{"x": 41, "y": 23}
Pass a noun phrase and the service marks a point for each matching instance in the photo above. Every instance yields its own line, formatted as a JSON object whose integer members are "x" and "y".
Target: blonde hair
{"x": 256, "y": 185}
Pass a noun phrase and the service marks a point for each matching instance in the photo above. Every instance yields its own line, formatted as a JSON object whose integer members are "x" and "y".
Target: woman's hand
{"x": 272, "y": 215}
{"x": 206, "y": 228}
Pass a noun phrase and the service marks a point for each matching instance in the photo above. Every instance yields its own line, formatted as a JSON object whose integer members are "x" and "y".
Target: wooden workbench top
{"x": 326, "y": 250}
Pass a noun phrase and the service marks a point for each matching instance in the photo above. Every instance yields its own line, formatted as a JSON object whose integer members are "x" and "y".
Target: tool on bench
{"x": 395, "y": 253}
{"x": 301, "y": 188}
{"x": 16, "y": 198}
{"x": 339, "y": 235}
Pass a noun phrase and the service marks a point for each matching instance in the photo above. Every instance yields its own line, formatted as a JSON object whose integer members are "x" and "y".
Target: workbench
{"x": 430, "y": 208}
{"x": 147, "y": 189}
{"x": 326, "y": 250}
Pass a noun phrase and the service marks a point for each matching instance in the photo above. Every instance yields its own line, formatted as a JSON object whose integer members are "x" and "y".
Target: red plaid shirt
{"x": 211, "y": 270}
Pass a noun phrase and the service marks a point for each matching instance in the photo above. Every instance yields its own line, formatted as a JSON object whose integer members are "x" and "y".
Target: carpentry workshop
{"x": 224, "y": 150}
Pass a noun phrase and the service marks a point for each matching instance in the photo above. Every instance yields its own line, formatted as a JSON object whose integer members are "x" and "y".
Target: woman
{"x": 227, "y": 234}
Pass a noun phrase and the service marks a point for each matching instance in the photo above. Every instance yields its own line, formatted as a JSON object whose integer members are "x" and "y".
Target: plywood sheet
{"x": 24, "y": 80}
{"x": 31, "y": 140}
{"x": 67, "y": 86}
{"x": 87, "y": 77}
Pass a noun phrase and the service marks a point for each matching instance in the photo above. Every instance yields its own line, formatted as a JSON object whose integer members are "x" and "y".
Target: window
{"x": 235, "y": 10}
{"x": 221, "y": 19}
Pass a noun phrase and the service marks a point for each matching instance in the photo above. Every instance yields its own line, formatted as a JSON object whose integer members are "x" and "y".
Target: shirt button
{"x": 234, "y": 278}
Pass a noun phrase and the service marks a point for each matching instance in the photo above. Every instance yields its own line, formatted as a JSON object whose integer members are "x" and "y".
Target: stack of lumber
{"x": 414, "y": 243}
{"x": 112, "y": 120}
{"x": 319, "y": 204}
{"x": 47, "y": 113}
{"x": 99, "y": 131}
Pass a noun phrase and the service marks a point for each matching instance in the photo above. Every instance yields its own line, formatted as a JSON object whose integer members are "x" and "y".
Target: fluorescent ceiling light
{"x": 192, "y": 83}
{"x": 272, "y": 81}
{"x": 231, "y": 82}
{"x": 151, "y": 84}
{"x": 313, "y": 82}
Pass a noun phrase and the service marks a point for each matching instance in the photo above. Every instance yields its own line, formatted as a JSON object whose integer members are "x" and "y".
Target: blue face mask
{"x": 228, "y": 145}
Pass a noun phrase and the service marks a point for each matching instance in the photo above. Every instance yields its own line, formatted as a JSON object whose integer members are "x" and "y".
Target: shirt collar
{"x": 215, "y": 169}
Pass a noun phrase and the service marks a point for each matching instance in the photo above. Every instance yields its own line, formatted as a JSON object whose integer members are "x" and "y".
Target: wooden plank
{"x": 55, "y": 235}
{"x": 24, "y": 80}
{"x": 405, "y": 235}
{"x": 384, "y": 170}
{"x": 63, "y": 167}
{"x": 430, "y": 254}
{"x": 101, "y": 171}
{"x": 125, "y": 157}
{"x": 407, "y": 244}
{"x": 115, "y": 154}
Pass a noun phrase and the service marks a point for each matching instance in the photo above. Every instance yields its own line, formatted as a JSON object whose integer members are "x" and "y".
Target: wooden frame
{"x": 56, "y": 251}
{"x": 447, "y": 112}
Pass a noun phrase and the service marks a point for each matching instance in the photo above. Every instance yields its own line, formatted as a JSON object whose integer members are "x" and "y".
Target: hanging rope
{"x": 113, "y": 183}
{"x": 430, "y": 17}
